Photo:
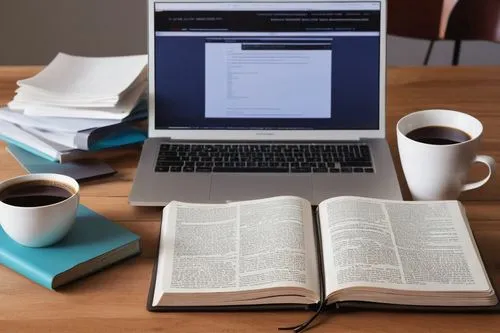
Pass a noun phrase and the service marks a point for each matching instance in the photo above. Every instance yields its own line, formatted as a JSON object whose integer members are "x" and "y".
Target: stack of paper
{"x": 76, "y": 105}
{"x": 83, "y": 87}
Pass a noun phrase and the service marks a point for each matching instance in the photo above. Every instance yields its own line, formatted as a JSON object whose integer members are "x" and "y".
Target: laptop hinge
{"x": 351, "y": 139}
{"x": 369, "y": 139}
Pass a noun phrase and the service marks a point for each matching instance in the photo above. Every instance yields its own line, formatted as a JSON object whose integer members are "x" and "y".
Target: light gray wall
{"x": 33, "y": 31}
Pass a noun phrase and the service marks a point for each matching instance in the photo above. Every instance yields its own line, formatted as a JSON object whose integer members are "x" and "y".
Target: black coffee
{"x": 438, "y": 135}
{"x": 34, "y": 194}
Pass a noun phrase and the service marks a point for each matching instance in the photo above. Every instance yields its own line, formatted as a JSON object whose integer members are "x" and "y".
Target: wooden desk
{"x": 114, "y": 300}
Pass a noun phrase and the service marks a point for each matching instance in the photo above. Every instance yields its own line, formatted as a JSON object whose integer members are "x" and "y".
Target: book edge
{"x": 91, "y": 272}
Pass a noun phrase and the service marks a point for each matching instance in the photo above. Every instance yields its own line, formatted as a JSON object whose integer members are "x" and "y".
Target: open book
{"x": 278, "y": 252}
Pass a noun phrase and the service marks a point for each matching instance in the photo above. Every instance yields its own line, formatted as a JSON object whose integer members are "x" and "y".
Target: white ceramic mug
{"x": 40, "y": 225}
{"x": 439, "y": 172}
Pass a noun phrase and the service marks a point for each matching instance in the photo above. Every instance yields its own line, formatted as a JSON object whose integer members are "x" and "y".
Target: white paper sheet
{"x": 56, "y": 124}
{"x": 31, "y": 95}
{"x": 98, "y": 77}
{"x": 120, "y": 111}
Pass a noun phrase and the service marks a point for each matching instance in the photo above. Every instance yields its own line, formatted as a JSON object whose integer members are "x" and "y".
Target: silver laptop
{"x": 256, "y": 99}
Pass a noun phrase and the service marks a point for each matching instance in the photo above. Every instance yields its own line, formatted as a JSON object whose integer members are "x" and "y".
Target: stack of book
{"x": 76, "y": 105}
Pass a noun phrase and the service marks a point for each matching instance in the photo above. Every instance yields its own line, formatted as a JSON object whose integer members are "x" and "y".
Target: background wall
{"x": 33, "y": 31}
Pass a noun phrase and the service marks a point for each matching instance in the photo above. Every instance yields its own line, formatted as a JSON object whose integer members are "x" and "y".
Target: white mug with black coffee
{"x": 437, "y": 148}
{"x": 38, "y": 209}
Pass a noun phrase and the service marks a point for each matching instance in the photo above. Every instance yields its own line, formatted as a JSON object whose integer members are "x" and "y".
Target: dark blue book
{"x": 79, "y": 170}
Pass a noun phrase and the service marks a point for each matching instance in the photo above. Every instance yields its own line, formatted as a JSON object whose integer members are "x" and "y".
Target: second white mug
{"x": 438, "y": 171}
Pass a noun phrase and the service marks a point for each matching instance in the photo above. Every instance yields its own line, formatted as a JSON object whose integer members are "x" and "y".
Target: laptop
{"x": 256, "y": 99}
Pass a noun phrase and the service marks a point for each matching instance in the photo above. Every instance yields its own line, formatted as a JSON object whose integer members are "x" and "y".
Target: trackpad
{"x": 251, "y": 186}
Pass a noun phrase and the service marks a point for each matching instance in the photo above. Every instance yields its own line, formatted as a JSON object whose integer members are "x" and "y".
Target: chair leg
{"x": 456, "y": 52}
{"x": 428, "y": 54}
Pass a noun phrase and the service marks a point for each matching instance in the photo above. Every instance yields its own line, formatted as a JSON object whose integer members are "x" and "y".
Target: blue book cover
{"x": 93, "y": 243}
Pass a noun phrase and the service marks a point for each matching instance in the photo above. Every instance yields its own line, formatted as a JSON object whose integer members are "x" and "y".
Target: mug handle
{"x": 490, "y": 163}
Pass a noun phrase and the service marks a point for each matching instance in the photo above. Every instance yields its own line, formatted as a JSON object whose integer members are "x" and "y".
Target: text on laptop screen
{"x": 267, "y": 65}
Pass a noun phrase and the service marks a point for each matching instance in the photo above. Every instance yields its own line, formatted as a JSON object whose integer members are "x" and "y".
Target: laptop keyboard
{"x": 296, "y": 158}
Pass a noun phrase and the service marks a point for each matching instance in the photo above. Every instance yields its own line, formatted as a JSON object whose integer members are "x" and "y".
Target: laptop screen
{"x": 299, "y": 66}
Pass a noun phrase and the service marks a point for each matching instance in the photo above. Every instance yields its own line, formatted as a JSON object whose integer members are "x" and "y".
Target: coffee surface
{"x": 438, "y": 135}
{"x": 34, "y": 194}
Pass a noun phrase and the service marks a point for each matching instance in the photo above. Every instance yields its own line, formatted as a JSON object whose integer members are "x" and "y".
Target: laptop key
{"x": 346, "y": 170}
{"x": 355, "y": 164}
{"x": 168, "y": 158}
{"x": 320, "y": 170}
{"x": 369, "y": 170}
{"x": 203, "y": 169}
{"x": 358, "y": 170}
{"x": 167, "y": 153}
{"x": 162, "y": 169}
{"x": 171, "y": 163}
{"x": 175, "y": 169}
{"x": 301, "y": 170}
{"x": 249, "y": 169}
{"x": 203, "y": 164}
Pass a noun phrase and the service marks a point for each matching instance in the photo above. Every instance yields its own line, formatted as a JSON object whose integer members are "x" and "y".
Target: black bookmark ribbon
{"x": 302, "y": 327}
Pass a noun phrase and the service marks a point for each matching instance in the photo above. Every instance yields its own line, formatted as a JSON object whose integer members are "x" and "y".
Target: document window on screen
{"x": 268, "y": 78}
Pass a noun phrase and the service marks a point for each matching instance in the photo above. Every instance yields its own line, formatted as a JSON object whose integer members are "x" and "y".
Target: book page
{"x": 237, "y": 246}
{"x": 419, "y": 246}
{"x": 64, "y": 138}
{"x": 15, "y": 135}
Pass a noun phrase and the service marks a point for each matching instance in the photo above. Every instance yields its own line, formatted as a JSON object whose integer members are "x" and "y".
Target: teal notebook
{"x": 93, "y": 243}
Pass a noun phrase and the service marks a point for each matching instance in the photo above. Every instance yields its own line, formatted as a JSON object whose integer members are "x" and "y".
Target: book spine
{"x": 110, "y": 137}
{"x": 26, "y": 269}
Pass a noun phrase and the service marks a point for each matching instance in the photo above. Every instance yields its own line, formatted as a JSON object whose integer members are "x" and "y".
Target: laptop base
{"x": 157, "y": 189}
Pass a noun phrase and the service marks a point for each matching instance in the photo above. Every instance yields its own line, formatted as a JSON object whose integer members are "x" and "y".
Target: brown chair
{"x": 473, "y": 20}
{"x": 422, "y": 19}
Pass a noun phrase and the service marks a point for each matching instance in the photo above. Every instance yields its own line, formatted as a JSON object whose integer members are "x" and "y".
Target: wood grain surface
{"x": 114, "y": 300}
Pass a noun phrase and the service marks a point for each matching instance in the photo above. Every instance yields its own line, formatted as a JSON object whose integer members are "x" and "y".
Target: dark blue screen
{"x": 332, "y": 83}
{"x": 180, "y": 80}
